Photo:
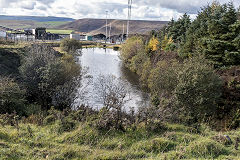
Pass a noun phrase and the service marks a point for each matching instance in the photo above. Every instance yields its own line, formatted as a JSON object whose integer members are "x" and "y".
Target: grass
{"x": 86, "y": 142}
{"x": 59, "y": 31}
{"x": 51, "y": 24}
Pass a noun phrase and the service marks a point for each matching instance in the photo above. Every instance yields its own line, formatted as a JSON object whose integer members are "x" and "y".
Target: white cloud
{"x": 142, "y": 9}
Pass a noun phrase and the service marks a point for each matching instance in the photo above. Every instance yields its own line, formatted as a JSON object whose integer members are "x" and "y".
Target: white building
{"x": 3, "y": 34}
{"x": 78, "y": 37}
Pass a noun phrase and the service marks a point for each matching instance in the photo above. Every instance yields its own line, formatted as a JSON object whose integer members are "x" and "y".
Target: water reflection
{"x": 107, "y": 62}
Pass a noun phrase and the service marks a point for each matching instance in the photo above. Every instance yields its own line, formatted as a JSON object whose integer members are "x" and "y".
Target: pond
{"x": 105, "y": 62}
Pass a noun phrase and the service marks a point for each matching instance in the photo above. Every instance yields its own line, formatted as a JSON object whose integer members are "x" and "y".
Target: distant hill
{"x": 92, "y": 26}
{"x": 35, "y": 18}
{"x": 24, "y": 24}
{"x": 96, "y": 26}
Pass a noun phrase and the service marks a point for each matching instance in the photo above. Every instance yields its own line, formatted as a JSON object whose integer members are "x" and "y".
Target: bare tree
{"x": 113, "y": 93}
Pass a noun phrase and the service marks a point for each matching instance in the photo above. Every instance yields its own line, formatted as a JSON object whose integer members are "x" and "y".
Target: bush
{"x": 66, "y": 124}
{"x": 191, "y": 87}
{"x": 70, "y": 45}
{"x": 132, "y": 47}
{"x": 198, "y": 89}
{"x": 137, "y": 62}
{"x": 11, "y": 96}
{"x": 50, "y": 119}
{"x": 50, "y": 80}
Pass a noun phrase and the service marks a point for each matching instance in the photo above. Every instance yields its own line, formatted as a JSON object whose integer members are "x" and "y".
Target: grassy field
{"x": 51, "y": 24}
{"x": 59, "y": 31}
{"x": 85, "y": 142}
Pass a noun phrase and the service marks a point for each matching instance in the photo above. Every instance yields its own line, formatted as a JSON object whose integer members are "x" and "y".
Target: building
{"x": 3, "y": 34}
{"x": 89, "y": 38}
{"x": 78, "y": 37}
{"x": 81, "y": 37}
{"x": 39, "y": 33}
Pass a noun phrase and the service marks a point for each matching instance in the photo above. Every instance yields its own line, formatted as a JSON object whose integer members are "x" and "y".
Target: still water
{"x": 105, "y": 62}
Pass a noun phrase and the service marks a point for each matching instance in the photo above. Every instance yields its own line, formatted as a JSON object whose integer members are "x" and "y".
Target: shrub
{"x": 50, "y": 80}
{"x": 137, "y": 62}
{"x": 50, "y": 119}
{"x": 70, "y": 45}
{"x": 163, "y": 78}
{"x": 191, "y": 87}
{"x": 132, "y": 47}
{"x": 198, "y": 89}
{"x": 11, "y": 96}
{"x": 66, "y": 124}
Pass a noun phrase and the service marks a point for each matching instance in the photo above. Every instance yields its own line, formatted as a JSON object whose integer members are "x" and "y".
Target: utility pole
{"x": 106, "y": 27}
{"x": 123, "y": 33}
{"x": 129, "y": 15}
{"x": 110, "y": 32}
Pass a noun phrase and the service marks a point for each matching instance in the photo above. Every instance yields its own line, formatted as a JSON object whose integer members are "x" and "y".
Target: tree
{"x": 212, "y": 34}
{"x": 114, "y": 94}
{"x": 153, "y": 44}
{"x": 177, "y": 30}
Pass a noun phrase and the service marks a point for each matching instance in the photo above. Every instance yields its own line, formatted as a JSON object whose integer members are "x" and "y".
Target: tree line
{"x": 190, "y": 67}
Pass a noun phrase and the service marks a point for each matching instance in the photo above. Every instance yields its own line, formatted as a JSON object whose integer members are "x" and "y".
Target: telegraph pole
{"x": 106, "y": 27}
{"x": 123, "y": 33}
{"x": 129, "y": 15}
{"x": 110, "y": 32}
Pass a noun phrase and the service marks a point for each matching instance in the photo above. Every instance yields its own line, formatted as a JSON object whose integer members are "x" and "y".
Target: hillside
{"x": 95, "y": 26}
{"x": 23, "y": 22}
{"x": 35, "y": 18}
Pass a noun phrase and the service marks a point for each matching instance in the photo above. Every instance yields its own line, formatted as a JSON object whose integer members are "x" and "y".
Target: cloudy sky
{"x": 142, "y": 9}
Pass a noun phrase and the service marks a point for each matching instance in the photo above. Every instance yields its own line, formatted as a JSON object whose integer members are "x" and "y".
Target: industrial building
{"x": 81, "y": 37}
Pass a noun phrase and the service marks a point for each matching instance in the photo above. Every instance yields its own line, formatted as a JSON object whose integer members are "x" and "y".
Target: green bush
{"x": 191, "y": 87}
{"x": 50, "y": 119}
{"x": 70, "y": 45}
{"x": 132, "y": 47}
{"x": 12, "y": 97}
{"x": 66, "y": 124}
{"x": 199, "y": 88}
{"x": 50, "y": 79}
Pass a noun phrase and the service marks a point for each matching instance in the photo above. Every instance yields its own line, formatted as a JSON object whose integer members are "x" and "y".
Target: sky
{"x": 162, "y": 10}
